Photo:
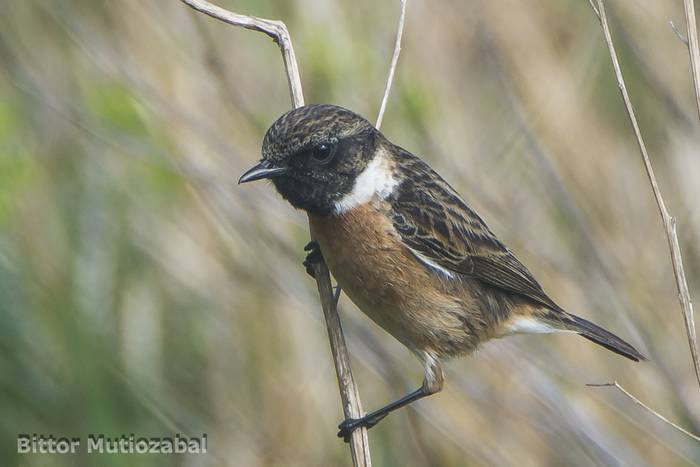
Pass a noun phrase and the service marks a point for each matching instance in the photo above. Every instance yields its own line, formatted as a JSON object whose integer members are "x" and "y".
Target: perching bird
{"x": 404, "y": 246}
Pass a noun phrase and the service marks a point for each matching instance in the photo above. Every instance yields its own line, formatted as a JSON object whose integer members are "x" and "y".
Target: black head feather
{"x": 323, "y": 149}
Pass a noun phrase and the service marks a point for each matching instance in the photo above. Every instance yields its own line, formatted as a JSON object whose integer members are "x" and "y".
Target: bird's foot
{"x": 314, "y": 256}
{"x": 351, "y": 424}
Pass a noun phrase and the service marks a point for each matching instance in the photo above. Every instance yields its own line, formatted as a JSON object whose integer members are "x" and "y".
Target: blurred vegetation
{"x": 142, "y": 291}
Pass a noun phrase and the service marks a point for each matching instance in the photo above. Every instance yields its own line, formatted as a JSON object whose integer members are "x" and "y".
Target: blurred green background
{"x": 143, "y": 291}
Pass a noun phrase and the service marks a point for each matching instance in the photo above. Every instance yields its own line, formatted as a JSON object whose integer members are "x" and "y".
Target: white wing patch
{"x": 528, "y": 325}
{"x": 432, "y": 264}
{"x": 376, "y": 179}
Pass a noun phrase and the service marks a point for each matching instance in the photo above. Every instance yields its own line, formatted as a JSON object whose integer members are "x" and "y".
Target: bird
{"x": 405, "y": 247}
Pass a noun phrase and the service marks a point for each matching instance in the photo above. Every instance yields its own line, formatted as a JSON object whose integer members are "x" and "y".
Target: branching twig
{"x": 615, "y": 384}
{"x": 693, "y": 48}
{"x": 392, "y": 67}
{"x": 277, "y": 30}
{"x": 668, "y": 221}
{"x": 359, "y": 443}
{"x": 679, "y": 34}
{"x": 595, "y": 8}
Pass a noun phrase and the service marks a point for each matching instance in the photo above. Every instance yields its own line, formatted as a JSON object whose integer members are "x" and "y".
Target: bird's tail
{"x": 568, "y": 322}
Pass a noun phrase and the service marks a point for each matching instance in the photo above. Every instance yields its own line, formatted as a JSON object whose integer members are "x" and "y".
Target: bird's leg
{"x": 314, "y": 256}
{"x": 432, "y": 383}
{"x": 368, "y": 421}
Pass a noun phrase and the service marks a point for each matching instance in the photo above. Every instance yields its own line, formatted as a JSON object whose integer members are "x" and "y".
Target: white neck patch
{"x": 377, "y": 179}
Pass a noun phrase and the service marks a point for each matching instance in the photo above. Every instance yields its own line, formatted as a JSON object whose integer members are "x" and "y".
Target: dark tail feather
{"x": 594, "y": 333}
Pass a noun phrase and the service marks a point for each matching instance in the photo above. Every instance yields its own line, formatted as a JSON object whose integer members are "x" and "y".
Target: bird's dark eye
{"x": 323, "y": 153}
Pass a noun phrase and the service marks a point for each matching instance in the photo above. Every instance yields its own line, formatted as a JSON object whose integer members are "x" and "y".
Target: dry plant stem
{"x": 277, "y": 30}
{"x": 349, "y": 394}
{"x": 678, "y": 33}
{"x": 394, "y": 61}
{"x": 387, "y": 88}
{"x": 615, "y": 384}
{"x": 693, "y": 48}
{"x": 668, "y": 221}
{"x": 595, "y": 8}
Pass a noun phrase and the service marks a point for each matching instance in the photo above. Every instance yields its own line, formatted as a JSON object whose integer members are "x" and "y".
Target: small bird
{"x": 404, "y": 246}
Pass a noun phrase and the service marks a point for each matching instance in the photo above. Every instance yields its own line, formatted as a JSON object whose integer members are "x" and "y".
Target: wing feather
{"x": 434, "y": 221}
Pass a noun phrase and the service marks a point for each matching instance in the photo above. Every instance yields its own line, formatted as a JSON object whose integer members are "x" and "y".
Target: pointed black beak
{"x": 260, "y": 171}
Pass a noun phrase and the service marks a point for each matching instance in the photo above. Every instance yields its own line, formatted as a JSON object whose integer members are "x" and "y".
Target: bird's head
{"x": 314, "y": 154}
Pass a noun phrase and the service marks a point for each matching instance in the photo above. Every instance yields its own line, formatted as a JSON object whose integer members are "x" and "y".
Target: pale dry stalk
{"x": 349, "y": 394}
{"x": 669, "y": 222}
{"x": 693, "y": 48}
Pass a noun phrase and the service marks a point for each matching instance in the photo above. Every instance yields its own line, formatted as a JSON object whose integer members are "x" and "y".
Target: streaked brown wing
{"x": 434, "y": 222}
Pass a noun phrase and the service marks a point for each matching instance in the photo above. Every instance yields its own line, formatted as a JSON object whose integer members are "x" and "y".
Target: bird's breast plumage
{"x": 421, "y": 308}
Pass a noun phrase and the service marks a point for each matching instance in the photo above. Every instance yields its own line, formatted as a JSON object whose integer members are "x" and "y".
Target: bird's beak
{"x": 260, "y": 171}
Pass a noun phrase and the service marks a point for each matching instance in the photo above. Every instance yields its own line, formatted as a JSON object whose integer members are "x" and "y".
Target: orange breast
{"x": 383, "y": 278}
